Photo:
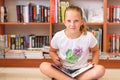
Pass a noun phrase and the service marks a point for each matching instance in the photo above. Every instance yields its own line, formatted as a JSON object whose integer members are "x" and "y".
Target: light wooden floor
{"x": 35, "y": 74}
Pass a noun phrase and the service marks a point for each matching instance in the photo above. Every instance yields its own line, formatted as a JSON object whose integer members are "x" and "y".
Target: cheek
{"x": 78, "y": 25}
{"x": 66, "y": 24}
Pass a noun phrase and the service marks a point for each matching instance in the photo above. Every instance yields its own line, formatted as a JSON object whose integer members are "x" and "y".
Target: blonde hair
{"x": 83, "y": 27}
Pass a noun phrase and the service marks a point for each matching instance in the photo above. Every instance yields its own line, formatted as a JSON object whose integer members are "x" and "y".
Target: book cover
{"x": 95, "y": 15}
{"x": 75, "y": 72}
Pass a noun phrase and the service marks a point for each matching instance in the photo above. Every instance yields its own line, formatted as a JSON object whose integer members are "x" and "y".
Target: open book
{"x": 75, "y": 72}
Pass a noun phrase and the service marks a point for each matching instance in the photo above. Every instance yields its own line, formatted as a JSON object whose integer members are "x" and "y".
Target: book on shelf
{"x": 3, "y": 14}
{"x": 113, "y": 43}
{"x": 15, "y": 54}
{"x": 57, "y": 10}
{"x": 75, "y": 72}
{"x": 32, "y": 13}
{"x": 52, "y": 11}
{"x": 98, "y": 33}
{"x": 113, "y": 13}
{"x": 18, "y": 42}
{"x": 30, "y": 53}
{"x": 46, "y": 55}
{"x": 34, "y": 54}
{"x": 113, "y": 56}
{"x": 63, "y": 6}
{"x": 85, "y": 14}
{"x": 95, "y": 15}
{"x": 1, "y": 53}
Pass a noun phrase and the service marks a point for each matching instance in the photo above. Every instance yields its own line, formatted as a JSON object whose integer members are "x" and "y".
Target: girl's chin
{"x": 72, "y": 31}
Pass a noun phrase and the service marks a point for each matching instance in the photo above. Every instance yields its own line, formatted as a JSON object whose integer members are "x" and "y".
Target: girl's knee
{"x": 101, "y": 70}
{"x": 43, "y": 66}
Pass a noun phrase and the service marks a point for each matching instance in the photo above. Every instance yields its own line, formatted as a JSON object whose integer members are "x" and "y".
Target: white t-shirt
{"x": 73, "y": 52}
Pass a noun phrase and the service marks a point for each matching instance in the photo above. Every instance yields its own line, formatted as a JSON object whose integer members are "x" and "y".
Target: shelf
{"x": 110, "y": 63}
{"x": 22, "y": 62}
{"x": 113, "y": 23}
{"x": 20, "y": 23}
{"x": 37, "y": 62}
{"x": 95, "y": 23}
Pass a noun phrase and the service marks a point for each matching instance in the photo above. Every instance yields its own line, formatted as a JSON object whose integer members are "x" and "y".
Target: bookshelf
{"x": 49, "y": 28}
{"x": 13, "y": 26}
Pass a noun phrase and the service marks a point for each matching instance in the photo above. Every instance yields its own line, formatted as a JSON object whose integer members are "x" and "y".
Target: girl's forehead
{"x": 72, "y": 12}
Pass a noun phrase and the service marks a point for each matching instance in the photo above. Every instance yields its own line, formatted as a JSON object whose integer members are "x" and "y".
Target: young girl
{"x": 70, "y": 48}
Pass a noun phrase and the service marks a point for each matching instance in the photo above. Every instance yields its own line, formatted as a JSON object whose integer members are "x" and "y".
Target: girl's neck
{"x": 71, "y": 35}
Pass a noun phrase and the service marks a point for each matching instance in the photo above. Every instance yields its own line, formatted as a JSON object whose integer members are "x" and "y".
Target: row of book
{"x": 113, "y": 43}
{"x": 24, "y": 54}
{"x": 107, "y": 56}
{"x": 94, "y": 15}
{"x": 40, "y": 54}
{"x": 27, "y": 13}
{"x": 16, "y": 42}
{"x": 113, "y": 13}
{"x": 32, "y": 13}
{"x": 57, "y": 10}
{"x": 3, "y": 14}
{"x": 40, "y": 13}
{"x": 90, "y": 15}
{"x": 98, "y": 33}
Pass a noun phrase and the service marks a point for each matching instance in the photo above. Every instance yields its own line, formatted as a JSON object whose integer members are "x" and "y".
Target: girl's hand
{"x": 58, "y": 61}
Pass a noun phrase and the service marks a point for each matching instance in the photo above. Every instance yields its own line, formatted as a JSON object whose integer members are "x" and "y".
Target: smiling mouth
{"x": 72, "y": 28}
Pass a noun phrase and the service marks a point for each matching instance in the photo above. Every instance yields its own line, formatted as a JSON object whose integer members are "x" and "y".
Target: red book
{"x": 34, "y": 13}
{"x": 52, "y": 11}
{"x": 111, "y": 13}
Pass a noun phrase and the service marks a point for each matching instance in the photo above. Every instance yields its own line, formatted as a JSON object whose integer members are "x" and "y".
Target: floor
{"x": 34, "y": 74}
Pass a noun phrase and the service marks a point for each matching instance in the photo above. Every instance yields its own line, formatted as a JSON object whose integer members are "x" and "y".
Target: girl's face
{"x": 73, "y": 21}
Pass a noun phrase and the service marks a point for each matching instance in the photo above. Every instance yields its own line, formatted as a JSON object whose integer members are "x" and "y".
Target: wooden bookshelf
{"x": 54, "y": 27}
{"x": 23, "y": 23}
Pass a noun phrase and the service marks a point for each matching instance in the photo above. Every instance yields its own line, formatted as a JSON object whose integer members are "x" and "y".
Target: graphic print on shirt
{"x": 73, "y": 55}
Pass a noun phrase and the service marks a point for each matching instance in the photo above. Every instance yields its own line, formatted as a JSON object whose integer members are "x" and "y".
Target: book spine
{"x": 37, "y": 13}
{"x": 52, "y": 11}
{"x": 2, "y": 13}
{"x": 25, "y": 13}
{"x": 34, "y": 13}
{"x": 13, "y": 45}
{"x": 43, "y": 13}
{"x": 30, "y": 12}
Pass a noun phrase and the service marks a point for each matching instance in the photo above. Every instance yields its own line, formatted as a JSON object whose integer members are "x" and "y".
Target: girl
{"x": 70, "y": 49}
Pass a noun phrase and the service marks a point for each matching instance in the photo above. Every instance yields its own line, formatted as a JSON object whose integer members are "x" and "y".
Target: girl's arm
{"x": 53, "y": 53}
{"x": 95, "y": 54}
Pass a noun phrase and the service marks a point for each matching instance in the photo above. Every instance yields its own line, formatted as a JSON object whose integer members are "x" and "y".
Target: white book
{"x": 95, "y": 15}
{"x": 2, "y": 13}
{"x": 75, "y": 72}
{"x": 25, "y": 13}
{"x": 34, "y": 54}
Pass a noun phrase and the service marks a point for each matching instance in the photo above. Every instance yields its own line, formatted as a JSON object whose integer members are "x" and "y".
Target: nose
{"x": 72, "y": 23}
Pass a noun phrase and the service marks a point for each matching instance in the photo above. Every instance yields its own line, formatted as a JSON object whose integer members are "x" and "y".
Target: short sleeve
{"x": 54, "y": 42}
{"x": 93, "y": 41}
